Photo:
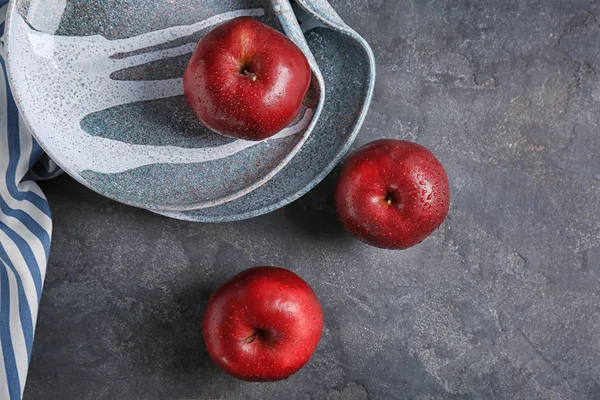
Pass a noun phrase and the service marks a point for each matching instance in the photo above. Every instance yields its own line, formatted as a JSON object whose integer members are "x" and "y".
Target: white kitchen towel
{"x": 25, "y": 232}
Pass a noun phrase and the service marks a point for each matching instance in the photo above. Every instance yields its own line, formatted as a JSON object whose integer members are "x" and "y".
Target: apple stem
{"x": 253, "y": 337}
{"x": 249, "y": 74}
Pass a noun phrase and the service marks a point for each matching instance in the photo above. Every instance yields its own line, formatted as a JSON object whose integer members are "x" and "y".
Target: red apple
{"x": 392, "y": 194}
{"x": 246, "y": 80}
{"x": 263, "y": 324}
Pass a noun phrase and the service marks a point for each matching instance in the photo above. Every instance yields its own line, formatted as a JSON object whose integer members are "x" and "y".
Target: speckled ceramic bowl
{"x": 100, "y": 85}
{"x": 343, "y": 57}
{"x": 348, "y": 67}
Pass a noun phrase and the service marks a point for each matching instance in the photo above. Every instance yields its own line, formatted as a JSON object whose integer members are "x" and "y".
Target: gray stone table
{"x": 501, "y": 302}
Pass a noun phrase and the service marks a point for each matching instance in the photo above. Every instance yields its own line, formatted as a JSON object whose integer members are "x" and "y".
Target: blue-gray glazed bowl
{"x": 134, "y": 49}
{"x": 99, "y": 83}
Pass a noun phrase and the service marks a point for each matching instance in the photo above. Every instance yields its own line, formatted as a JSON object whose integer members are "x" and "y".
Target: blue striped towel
{"x": 25, "y": 231}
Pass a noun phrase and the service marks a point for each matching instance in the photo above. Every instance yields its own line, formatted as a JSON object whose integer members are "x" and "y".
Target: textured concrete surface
{"x": 502, "y": 302}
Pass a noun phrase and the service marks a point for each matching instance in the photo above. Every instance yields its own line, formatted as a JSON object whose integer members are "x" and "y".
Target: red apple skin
{"x": 392, "y": 194}
{"x": 263, "y": 324}
{"x": 246, "y": 80}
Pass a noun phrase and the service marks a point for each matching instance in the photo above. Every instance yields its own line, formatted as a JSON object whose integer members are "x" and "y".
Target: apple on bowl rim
{"x": 246, "y": 80}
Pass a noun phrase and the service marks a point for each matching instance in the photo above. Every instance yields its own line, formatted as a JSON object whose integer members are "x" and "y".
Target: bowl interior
{"x": 100, "y": 85}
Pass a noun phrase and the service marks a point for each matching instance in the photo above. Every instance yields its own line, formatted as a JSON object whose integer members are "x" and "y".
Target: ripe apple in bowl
{"x": 246, "y": 80}
{"x": 263, "y": 324}
{"x": 392, "y": 194}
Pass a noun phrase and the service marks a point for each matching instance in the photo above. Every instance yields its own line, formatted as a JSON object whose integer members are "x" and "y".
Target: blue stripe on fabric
{"x": 13, "y": 127}
{"x": 29, "y": 223}
{"x": 10, "y": 364}
{"x": 14, "y": 148}
{"x": 24, "y": 310}
{"x": 27, "y": 254}
{"x": 27, "y": 220}
{"x": 15, "y": 161}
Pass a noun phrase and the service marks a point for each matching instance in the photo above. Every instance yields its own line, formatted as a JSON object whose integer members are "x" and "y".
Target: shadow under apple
{"x": 314, "y": 213}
